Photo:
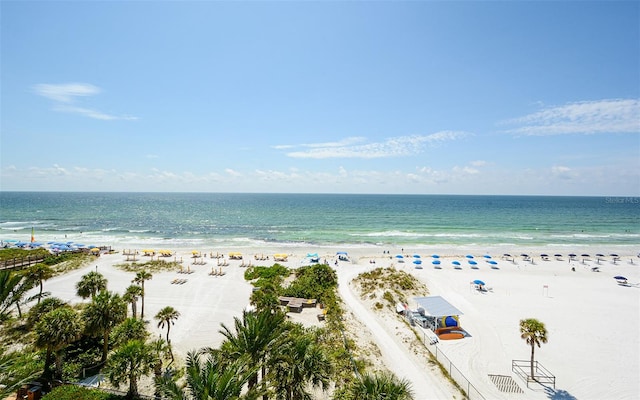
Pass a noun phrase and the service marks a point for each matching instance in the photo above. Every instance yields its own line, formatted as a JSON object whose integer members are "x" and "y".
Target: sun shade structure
{"x": 437, "y": 306}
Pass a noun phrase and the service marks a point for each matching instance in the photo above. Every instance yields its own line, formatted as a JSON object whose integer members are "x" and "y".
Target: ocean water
{"x": 170, "y": 220}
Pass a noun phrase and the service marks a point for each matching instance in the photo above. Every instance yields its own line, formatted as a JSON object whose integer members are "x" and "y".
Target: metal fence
{"x": 431, "y": 345}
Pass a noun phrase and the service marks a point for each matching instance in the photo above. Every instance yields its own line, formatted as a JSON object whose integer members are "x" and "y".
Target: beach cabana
{"x": 441, "y": 316}
{"x": 342, "y": 256}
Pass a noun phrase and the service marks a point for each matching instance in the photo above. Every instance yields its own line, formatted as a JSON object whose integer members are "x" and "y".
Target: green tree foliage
{"x": 212, "y": 378}
{"x": 100, "y": 316}
{"x": 55, "y": 330}
{"x": 534, "y": 333}
{"x": 37, "y": 274}
{"x": 91, "y": 284}
{"x": 385, "y": 386}
{"x": 129, "y": 362}
{"x": 131, "y": 296}
{"x": 129, "y": 329}
{"x": 315, "y": 281}
{"x": 140, "y": 278}
{"x": 13, "y": 287}
{"x": 17, "y": 368}
{"x": 49, "y": 304}
{"x": 299, "y": 363}
{"x": 167, "y": 316}
{"x": 252, "y": 338}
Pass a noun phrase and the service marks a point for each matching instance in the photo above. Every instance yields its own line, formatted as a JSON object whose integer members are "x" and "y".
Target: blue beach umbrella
{"x": 417, "y": 262}
{"x": 435, "y": 256}
{"x": 435, "y": 262}
{"x": 471, "y": 262}
{"x": 416, "y": 256}
{"x": 469, "y": 256}
{"x": 455, "y": 262}
{"x": 399, "y": 256}
{"x": 493, "y": 262}
{"x": 478, "y": 282}
{"x": 487, "y": 256}
{"x": 620, "y": 278}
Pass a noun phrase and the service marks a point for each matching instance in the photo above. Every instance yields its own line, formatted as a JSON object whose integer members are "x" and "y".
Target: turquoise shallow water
{"x": 193, "y": 219}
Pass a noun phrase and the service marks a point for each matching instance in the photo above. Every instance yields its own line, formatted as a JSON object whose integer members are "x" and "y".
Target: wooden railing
{"x": 21, "y": 262}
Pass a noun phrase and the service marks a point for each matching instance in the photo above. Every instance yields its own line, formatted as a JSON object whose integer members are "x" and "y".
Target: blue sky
{"x": 331, "y": 97}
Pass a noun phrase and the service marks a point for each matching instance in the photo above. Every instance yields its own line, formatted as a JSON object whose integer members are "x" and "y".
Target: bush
{"x": 71, "y": 392}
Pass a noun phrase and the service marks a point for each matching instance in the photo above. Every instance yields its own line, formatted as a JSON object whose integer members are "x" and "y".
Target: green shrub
{"x": 71, "y": 392}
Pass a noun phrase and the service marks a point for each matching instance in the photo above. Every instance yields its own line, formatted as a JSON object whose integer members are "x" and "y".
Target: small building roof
{"x": 436, "y": 306}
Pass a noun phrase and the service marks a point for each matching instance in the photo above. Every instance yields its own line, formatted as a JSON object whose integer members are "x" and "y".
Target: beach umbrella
{"x": 79, "y": 245}
{"x": 435, "y": 262}
{"x": 620, "y": 278}
{"x": 507, "y": 255}
{"x": 399, "y": 256}
{"x": 471, "y": 262}
{"x": 416, "y": 256}
{"x": 557, "y": 255}
{"x": 544, "y": 255}
{"x": 524, "y": 255}
{"x": 614, "y": 255}
{"x": 417, "y": 262}
{"x": 469, "y": 256}
{"x": 478, "y": 282}
{"x": 486, "y": 256}
{"x": 600, "y": 255}
{"x": 455, "y": 262}
{"x": 584, "y": 255}
{"x": 435, "y": 256}
{"x": 493, "y": 262}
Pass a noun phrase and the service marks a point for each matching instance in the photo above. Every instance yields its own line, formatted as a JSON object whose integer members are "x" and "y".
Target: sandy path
{"x": 396, "y": 355}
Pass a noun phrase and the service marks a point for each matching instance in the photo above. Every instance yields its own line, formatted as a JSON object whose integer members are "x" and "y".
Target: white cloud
{"x": 65, "y": 95}
{"x": 356, "y": 147}
{"x": 66, "y": 92}
{"x": 587, "y": 117}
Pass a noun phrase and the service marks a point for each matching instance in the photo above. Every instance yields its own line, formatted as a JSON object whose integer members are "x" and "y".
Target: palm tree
{"x": 142, "y": 276}
{"x": 13, "y": 287}
{"x": 211, "y": 379}
{"x": 380, "y": 386}
{"x": 16, "y": 369}
{"x": 104, "y": 312}
{"x": 36, "y": 312}
{"x": 167, "y": 316}
{"x": 130, "y": 362}
{"x": 255, "y": 334}
{"x": 131, "y": 296}
{"x": 129, "y": 329}
{"x": 534, "y": 333}
{"x": 37, "y": 274}
{"x": 161, "y": 351}
{"x": 91, "y": 284}
{"x": 56, "y": 330}
{"x": 298, "y": 362}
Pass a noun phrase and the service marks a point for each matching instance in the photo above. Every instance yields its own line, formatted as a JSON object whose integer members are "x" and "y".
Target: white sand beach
{"x": 593, "y": 322}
